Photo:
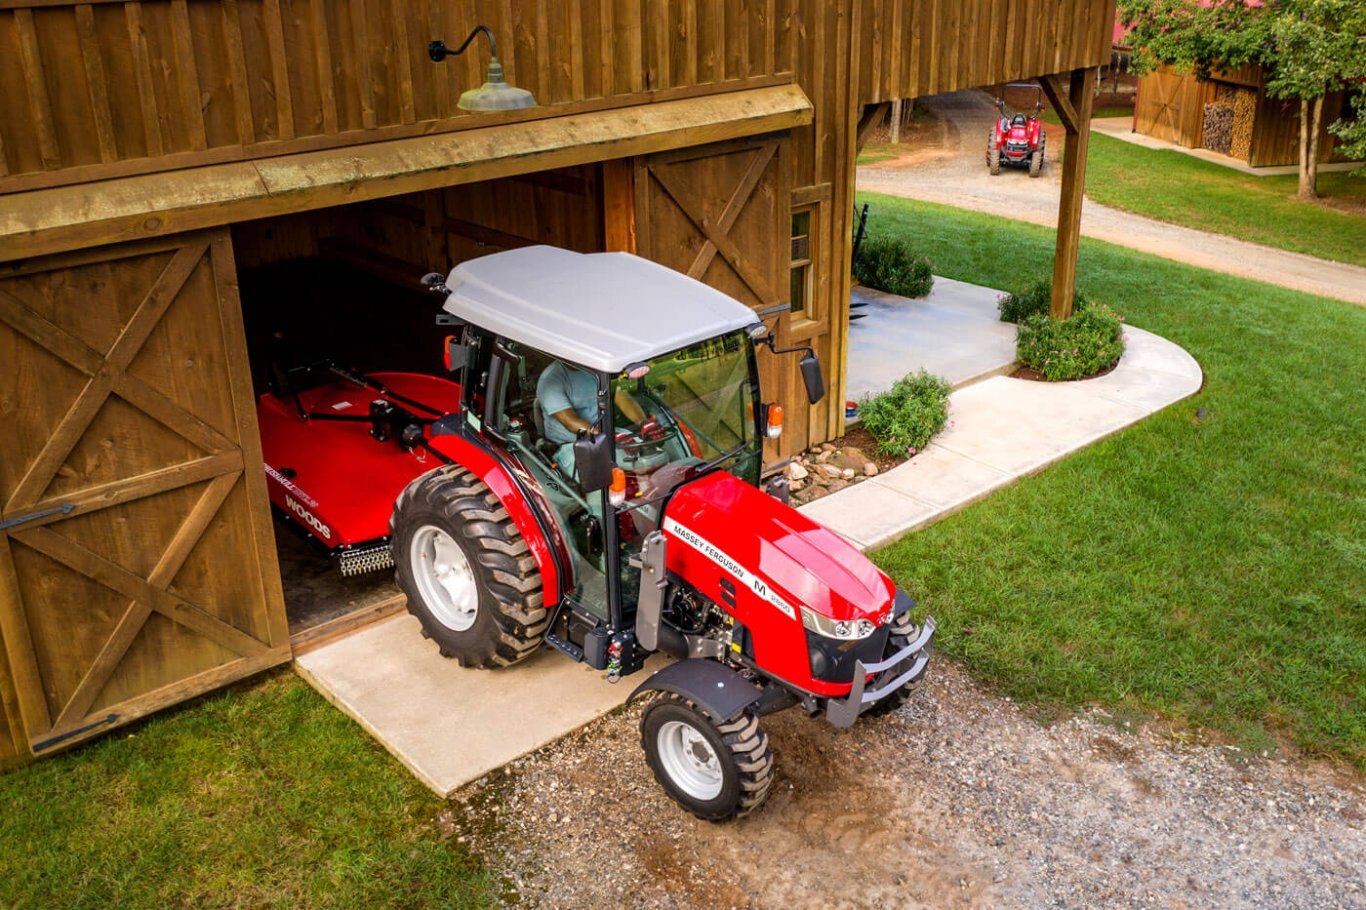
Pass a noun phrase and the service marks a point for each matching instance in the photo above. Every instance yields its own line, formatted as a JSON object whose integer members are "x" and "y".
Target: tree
{"x": 1307, "y": 48}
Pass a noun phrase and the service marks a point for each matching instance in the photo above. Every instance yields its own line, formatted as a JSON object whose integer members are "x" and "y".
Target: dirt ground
{"x": 947, "y": 166}
{"x": 958, "y": 800}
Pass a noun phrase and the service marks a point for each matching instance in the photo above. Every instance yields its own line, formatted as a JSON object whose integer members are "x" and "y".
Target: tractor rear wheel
{"x": 468, "y": 574}
{"x": 994, "y": 160}
{"x": 1036, "y": 161}
{"x": 903, "y": 631}
{"x": 715, "y": 771}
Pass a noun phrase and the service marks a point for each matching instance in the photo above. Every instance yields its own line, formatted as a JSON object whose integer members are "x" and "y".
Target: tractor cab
{"x": 609, "y": 418}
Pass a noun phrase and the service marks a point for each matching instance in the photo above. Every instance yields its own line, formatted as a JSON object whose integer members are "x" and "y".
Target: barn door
{"x": 722, "y": 214}
{"x": 1159, "y": 111}
{"x": 137, "y": 564}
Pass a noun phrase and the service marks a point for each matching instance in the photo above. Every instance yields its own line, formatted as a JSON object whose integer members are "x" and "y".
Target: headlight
{"x": 842, "y": 629}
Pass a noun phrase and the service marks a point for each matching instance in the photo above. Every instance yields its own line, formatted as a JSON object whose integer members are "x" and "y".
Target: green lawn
{"x": 259, "y": 796}
{"x": 874, "y": 153}
{"x": 1175, "y": 187}
{"x": 1212, "y": 570}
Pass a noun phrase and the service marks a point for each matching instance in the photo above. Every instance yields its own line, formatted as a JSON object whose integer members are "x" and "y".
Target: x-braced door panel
{"x": 721, "y": 213}
{"x": 137, "y": 564}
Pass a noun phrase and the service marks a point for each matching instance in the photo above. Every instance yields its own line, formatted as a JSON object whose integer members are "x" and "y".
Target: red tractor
{"x": 1017, "y": 140}
{"x": 591, "y": 481}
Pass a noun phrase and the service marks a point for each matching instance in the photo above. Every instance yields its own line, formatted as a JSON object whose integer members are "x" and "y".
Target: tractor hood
{"x": 761, "y": 544}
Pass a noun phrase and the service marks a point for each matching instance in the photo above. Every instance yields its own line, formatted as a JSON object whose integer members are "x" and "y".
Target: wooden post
{"x": 896, "y": 121}
{"x": 619, "y": 205}
{"x": 1074, "y": 110}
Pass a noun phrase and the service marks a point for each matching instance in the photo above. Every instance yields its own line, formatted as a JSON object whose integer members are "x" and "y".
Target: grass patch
{"x": 1213, "y": 569}
{"x": 262, "y": 795}
{"x": 1181, "y": 189}
{"x": 1099, "y": 112}
{"x": 873, "y": 153}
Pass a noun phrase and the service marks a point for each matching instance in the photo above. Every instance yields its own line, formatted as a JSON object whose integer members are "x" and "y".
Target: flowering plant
{"x": 1088, "y": 343}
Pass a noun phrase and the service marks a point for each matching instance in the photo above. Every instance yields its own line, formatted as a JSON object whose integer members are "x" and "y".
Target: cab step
{"x": 569, "y": 648}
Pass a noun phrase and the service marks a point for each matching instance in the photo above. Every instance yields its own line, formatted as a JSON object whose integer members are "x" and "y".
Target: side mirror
{"x": 593, "y": 462}
{"x": 811, "y": 376}
{"x": 435, "y": 282}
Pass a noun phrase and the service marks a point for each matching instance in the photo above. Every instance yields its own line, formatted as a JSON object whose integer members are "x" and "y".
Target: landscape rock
{"x": 870, "y": 470}
{"x": 796, "y": 472}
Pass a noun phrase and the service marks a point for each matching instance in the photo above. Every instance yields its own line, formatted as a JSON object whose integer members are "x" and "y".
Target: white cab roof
{"x": 600, "y": 310}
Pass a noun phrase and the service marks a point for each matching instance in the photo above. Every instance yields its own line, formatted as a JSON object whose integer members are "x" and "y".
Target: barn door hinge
{"x": 65, "y": 508}
{"x": 71, "y": 734}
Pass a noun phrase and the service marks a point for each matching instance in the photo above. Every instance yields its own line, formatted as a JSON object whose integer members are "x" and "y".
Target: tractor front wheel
{"x": 715, "y": 771}
{"x": 469, "y": 576}
{"x": 1036, "y": 161}
{"x": 994, "y": 160}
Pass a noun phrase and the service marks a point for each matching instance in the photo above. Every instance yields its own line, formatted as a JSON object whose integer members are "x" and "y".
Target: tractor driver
{"x": 568, "y": 397}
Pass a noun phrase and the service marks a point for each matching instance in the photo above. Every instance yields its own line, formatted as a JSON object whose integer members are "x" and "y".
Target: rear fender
{"x": 721, "y": 692}
{"x": 523, "y": 513}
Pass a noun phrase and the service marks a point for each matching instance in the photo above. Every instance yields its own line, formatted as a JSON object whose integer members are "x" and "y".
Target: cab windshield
{"x": 694, "y": 413}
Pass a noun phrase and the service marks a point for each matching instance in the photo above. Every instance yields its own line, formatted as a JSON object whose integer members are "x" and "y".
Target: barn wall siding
{"x": 109, "y": 87}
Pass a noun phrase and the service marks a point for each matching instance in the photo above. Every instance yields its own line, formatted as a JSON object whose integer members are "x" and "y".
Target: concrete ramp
{"x": 449, "y": 725}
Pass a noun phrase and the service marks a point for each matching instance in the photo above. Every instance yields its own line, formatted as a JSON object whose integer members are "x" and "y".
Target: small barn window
{"x": 801, "y": 262}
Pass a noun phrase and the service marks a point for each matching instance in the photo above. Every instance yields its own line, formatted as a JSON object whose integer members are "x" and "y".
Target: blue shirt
{"x": 560, "y": 388}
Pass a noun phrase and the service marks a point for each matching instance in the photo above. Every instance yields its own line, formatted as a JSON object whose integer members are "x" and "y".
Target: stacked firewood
{"x": 1244, "y": 113}
{"x": 1218, "y": 127}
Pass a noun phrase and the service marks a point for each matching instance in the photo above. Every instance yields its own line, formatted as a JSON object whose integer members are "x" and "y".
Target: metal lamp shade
{"x": 495, "y": 94}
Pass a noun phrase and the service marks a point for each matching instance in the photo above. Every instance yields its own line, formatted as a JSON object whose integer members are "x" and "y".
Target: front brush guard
{"x": 901, "y": 669}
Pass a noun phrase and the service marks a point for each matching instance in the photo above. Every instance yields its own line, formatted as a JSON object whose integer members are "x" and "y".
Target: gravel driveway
{"x": 947, "y": 165}
{"x": 960, "y": 799}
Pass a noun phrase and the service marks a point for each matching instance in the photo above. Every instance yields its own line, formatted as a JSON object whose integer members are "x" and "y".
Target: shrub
{"x": 1020, "y": 305}
{"x": 905, "y": 417}
{"x": 889, "y": 264}
{"x": 1088, "y": 343}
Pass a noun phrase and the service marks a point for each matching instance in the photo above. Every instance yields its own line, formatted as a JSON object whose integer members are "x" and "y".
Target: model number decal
{"x": 308, "y": 517}
{"x": 722, "y": 559}
{"x": 285, "y": 482}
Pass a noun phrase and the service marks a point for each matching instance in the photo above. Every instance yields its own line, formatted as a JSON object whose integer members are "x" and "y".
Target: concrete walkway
{"x": 451, "y": 726}
{"x": 1003, "y": 429}
{"x": 955, "y": 332}
{"x": 1123, "y": 128}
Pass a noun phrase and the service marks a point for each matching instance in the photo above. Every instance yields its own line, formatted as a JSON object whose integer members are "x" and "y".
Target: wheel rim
{"x": 690, "y": 760}
{"x": 444, "y": 578}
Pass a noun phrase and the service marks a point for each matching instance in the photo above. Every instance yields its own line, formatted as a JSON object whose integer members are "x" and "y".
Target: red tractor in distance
{"x": 1017, "y": 140}
{"x": 590, "y": 479}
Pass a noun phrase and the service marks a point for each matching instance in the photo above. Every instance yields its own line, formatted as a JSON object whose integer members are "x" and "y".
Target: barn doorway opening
{"x": 333, "y": 306}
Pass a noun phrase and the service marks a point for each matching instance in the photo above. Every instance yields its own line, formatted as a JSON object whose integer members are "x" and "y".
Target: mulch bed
{"x": 1035, "y": 376}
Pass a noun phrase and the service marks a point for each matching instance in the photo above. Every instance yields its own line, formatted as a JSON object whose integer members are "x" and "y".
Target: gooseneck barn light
{"x": 495, "y": 94}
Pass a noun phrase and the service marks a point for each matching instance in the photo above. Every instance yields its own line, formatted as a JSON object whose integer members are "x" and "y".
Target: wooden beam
{"x": 869, "y": 121}
{"x": 64, "y": 218}
{"x": 1057, "y": 91}
{"x": 1081, "y": 94}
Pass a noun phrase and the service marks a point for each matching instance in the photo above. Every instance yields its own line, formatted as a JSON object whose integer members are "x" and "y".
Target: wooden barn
{"x": 1230, "y": 113}
{"x": 176, "y": 176}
